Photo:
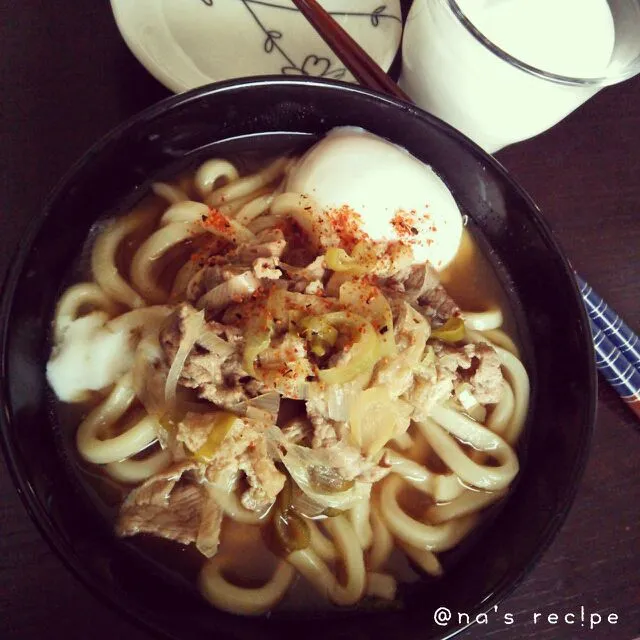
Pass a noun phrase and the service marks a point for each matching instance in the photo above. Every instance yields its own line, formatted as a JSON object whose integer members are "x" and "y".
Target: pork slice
{"x": 265, "y": 481}
{"x": 433, "y": 298}
{"x": 210, "y": 276}
{"x": 224, "y": 384}
{"x": 421, "y": 285}
{"x": 173, "y": 331}
{"x": 439, "y": 306}
{"x": 332, "y": 438}
{"x": 451, "y": 358}
{"x": 194, "y": 430}
{"x": 323, "y": 428}
{"x": 303, "y": 276}
{"x": 486, "y": 382}
{"x": 217, "y": 376}
{"x": 219, "y": 382}
{"x": 415, "y": 281}
{"x": 350, "y": 464}
{"x": 411, "y": 332}
{"x": 479, "y": 364}
{"x": 284, "y": 366}
{"x": 167, "y": 507}
{"x": 288, "y": 348}
{"x": 269, "y": 243}
{"x": 427, "y": 392}
{"x": 267, "y": 268}
{"x": 314, "y": 288}
{"x": 324, "y": 433}
{"x": 208, "y": 537}
{"x": 245, "y": 450}
{"x": 395, "y": 374}
{"x": 299, "y": 430}
{"x": 204, "y": 280}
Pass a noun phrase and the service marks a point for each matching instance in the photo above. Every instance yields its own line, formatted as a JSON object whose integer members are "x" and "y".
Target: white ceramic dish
{"x": 189, "y": 43}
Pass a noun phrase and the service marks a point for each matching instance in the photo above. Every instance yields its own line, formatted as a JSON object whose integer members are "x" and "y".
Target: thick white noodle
{"x": 211, "y": 173}
{"x": 254, "y": 208}
{"x": 426, "y": 560}
{"x": 143, "y": 320}
{"x": 169, "y": 192}
{"x": 445, "y": 432}
{"x": 404, "y": 441}
{"x": 499, "y": 338}
{"x": 382, "y": 544}
{"x": 84, "y": 294}
{"x": 136, "y": 439}
{"x": 232, "y": 208}
{"x": 320, "y": 543}
{"x": 359, "y": 516}
{"x": 501, "y": 414}
{"x": 314, "y": 569}
{"x": 438, "y": 537}
{"x": 483, "y": 320}
{"x": 247, "y": 185}
{"x": 103, "y": 257}
{"x": 227, "y": 596}
{"x": 136, "y": 471}
{"x": 187, "y": 211}
{"x": 181, "y": 281}
{"x": 315, "y": 224}
{"x": 144, "y": 265}
{"x": 469, "y": 502}
{"x": 228, "y": 501}
{"x": 381, "y": 585}
{"x": 440, "y": 486}
{"x": 266, "y": 221}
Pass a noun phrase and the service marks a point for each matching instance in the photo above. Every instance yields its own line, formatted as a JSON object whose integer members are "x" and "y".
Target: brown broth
{"x": 472, "y": 282}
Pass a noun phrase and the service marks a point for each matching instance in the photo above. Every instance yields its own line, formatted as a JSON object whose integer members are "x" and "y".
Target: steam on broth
{"x": 314, "y": 416}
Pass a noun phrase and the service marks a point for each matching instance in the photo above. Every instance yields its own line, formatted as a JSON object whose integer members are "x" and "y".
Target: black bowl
{"x": 270, "y": 113}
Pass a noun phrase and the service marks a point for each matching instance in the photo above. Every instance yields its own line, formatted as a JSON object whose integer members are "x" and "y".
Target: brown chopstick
{"x": 352, "y": 55}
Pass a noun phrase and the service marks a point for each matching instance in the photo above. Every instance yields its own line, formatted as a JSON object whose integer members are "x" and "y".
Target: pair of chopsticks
{"x": 617, "y": 347}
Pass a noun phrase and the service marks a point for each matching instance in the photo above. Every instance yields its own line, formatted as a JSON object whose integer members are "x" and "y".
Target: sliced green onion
{"x": 364, "y": 353}
{"x": 451, "y": 331}
{"x": 223, "y": 423}
{"x": 339, "y": 260}
{"x": 328, "y": 480}
{"x": 258, "y": 338}
{"x": 319, "y": 334}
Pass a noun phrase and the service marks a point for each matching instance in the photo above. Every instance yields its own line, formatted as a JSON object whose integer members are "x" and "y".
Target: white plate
{"x": 188, "y": 43}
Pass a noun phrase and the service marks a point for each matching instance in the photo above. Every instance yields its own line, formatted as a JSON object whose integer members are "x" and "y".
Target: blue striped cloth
{"x": 611, "y": 324}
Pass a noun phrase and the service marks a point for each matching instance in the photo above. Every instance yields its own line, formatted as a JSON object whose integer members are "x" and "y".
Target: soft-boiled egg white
{"x": 397, "y": 197}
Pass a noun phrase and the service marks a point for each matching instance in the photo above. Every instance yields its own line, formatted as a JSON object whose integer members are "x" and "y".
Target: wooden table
{"x": 67, "y": 78}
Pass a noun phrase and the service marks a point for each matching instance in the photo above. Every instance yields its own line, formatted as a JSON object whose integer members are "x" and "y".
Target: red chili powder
{"x": 347, "y": 223}
{"x": 216, "y": 220}
{"x": 405, "y": 223}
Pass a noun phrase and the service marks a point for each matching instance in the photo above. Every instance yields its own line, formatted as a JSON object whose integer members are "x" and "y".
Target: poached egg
{"x": 394, "y": 196}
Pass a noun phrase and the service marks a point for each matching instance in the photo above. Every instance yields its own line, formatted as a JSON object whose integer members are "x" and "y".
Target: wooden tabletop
{"x": 67, "y": 78}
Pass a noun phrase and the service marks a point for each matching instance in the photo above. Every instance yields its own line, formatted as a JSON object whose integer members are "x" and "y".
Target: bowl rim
{"x": 15, "y": 463}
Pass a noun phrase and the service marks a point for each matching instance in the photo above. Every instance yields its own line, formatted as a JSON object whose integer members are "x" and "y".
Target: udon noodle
{"x": 220, "y": 305}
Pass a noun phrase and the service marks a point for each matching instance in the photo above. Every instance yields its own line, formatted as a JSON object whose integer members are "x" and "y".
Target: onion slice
{"x": 192, "y": 329}
{"x": 236, "y": 288}
{"x": 299, "y": 460}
